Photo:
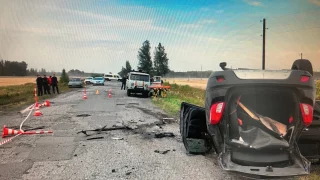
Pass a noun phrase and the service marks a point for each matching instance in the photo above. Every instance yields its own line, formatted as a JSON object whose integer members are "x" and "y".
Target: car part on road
{"x": 164, "y": 134}
{"x": 83, "y": 115}
{"x": 95, "y": 138}
{"x": 253, "y": 119}
{"x": 162, "y": 152}
{"x": 106, "y": 129}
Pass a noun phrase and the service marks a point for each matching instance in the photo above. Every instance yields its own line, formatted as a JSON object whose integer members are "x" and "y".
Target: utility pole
{"x": 301, "y": 55}
{"x": 264, "y": 45}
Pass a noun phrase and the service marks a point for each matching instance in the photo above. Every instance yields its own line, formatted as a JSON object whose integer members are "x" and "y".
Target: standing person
{"x": 49, "y": 82}
{"x": 54, "y": 82}
{"x": 45, "y": 85}
{"x": 124, "y": 82}
{"x": 39, "y": 85}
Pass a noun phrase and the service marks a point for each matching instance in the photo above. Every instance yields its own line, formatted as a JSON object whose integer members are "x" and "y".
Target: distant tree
{"x": 128, "y": 66}
{"x": 161, "y": 67}
{"x": 64, "y": 78}
{"x": 144, "y": 57}
{"x": 126, "y": 70}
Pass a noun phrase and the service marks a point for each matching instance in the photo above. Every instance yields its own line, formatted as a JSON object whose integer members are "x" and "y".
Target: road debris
{"x": 104, "y": 128}
{"x": 165, "y": 134}
{"x": 95, "y": 138}
{"x": 128, "y": 173}
{"x": 162, "y": 152}
{"x": 83, "y": 115}
{"x": 117, "y": 138}
{"x": 113, "y": 170}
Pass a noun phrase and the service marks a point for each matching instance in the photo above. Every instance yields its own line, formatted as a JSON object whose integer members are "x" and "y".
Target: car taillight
{"x": 307, "y": 113}
{"x": 220, "y": 79}
{"x": 216, "y": 112}
{"x": 304, "y": 78}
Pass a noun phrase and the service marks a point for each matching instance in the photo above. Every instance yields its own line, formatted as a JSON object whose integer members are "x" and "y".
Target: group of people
{"x": 44, "y": 83}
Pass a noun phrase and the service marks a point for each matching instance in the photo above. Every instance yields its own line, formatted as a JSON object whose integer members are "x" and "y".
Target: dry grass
{"x": 10, "y": 81}
{"x": 193, "y": 82}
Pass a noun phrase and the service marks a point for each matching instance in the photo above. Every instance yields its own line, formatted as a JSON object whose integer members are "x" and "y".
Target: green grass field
{"x": 19, "y": 95}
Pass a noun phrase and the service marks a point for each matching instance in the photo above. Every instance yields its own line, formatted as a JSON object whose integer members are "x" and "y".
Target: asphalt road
{"x": 119, "y": 154}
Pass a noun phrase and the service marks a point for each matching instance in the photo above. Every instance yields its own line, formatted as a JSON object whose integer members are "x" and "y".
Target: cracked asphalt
{"x": 118, "y": 154}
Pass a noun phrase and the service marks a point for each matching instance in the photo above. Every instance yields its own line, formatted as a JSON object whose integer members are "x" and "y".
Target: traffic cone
{"x": 85, "y": 96}
{"x": 110, "y": 91}
{"x": 47, "y": 103}
{"x": 97, "y": 92}
{"x": 109, "y": 95}
{"x": 7, "y": 132}
{"x": 37, "y": 112}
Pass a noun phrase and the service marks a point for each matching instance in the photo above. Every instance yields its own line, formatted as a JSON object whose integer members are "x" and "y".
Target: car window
{"x": 139, "y": 77}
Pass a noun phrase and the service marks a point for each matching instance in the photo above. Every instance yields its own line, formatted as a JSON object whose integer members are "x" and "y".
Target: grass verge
{"x": 177, "y": 95}
{"x": 19, "y": 95}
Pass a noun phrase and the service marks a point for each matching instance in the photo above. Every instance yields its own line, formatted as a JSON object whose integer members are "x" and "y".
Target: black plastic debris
{"x": 165, "y": 134}
{"x": 162, "y": 152}
{"x": 104, "y": 128}
{"x": 113, "y": 170}
{"x": 95, "y": 138}
{"x": 83, "y": 115}
{"x": 128, "y": 173}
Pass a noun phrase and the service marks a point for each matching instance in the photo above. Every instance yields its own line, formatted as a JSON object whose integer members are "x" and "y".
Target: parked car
{"x": 138, "y": 82}
{"x": 253, "y": 119}
{"x": 88, "y": 80}
{"x": 75, "y": 82}
{"x": 98, "y": 81}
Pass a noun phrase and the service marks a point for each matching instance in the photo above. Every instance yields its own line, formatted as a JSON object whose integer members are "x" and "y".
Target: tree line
{"x": 158, "y": 67}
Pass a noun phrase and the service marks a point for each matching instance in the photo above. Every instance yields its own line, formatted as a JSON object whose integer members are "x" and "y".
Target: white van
{"x": 112, "y": 77}
{"x": 138, "y": 82}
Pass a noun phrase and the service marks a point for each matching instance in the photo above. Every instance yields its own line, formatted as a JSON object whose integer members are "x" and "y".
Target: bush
{"x": 64, "y": 77}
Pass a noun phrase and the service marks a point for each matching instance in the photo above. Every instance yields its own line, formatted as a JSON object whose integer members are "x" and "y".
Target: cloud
{"x": 253, "y": 2}
{"x": 316, "y": 2}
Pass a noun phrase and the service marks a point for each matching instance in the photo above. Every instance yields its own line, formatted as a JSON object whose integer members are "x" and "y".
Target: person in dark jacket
{"x": 39, "y": 85}
{"x": 124, "y": 82}
{"x": 54, "y": 82}
{"x": 45, "y": 85}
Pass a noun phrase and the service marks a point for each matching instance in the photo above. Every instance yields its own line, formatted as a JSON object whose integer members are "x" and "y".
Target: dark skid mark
{"x": 83, "y": 115}
{"x": 157, "y": 115}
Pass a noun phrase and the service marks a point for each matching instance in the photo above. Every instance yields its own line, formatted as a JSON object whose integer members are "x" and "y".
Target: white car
{"x": 112, "y": 77}
{"x": 138, "y": 82}
{"x": 88, "y": 80}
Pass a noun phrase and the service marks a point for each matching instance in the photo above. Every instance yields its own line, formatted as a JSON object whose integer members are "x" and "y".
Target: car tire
{"x": 128, "y": 92}
{"x": 302, "y": 64}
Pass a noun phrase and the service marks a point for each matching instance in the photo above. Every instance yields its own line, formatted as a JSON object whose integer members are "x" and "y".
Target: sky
{"x": 99, "y": 36}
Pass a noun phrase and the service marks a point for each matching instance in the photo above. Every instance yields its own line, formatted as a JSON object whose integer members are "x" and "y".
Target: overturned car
{"x": 253, "y": 120}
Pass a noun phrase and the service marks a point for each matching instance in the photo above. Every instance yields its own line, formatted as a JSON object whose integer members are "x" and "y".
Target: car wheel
{"x": 302, "y": 64}
{"x": 128, "y": 92}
